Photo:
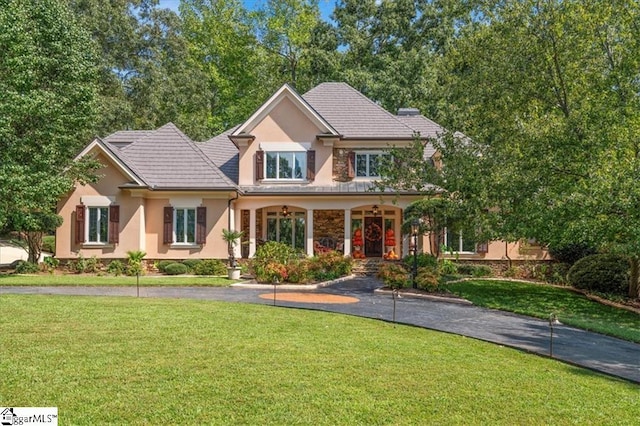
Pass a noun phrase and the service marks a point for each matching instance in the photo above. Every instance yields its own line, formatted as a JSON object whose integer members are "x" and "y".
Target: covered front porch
{"x": 367, "y": 227}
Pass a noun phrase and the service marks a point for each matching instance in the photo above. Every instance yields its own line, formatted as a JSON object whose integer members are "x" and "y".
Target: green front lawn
{"x": 110, "y": 280}
{"x": 165, "y": 361}
{"x": 539, "y": 300}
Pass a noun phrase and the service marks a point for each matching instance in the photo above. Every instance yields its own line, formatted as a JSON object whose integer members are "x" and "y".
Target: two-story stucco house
{"x": 299, "y": 171}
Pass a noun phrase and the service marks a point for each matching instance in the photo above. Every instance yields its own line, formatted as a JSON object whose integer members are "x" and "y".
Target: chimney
{"x": 408, "y": 112}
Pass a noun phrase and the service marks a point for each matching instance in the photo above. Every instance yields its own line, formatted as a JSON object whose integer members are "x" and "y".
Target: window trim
{"x": 185, "y": 243}
{"x": 460, "y": 244}
{"x": 87, "y": 227}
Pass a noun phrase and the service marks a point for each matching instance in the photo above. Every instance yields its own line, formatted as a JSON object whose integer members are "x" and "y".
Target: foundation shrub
{"x": 603, "y": 273}
{"x": 210, "y": 267}
{"x": 191, "y": 264}
{"x": 447, "y": 267}
{"x": 393, "y": 275}
{"x": 162, "y": 265}
{"x": 176, "y": 269}
{"x": 298, "y": 272}
{"x": 116, "y": 267}
{"x": 49, "y": 243}
{"x": 50, "y": 263}
{"x": 571, "y": 252}
{"x": 423, "y": 260}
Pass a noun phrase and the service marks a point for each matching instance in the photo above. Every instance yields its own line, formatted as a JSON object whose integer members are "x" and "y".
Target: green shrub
{"x": 447, "y": 267}
{"x": 115, "y": 267}
{"x": 210, "y": 267}
{"x": 427, "y": 278}
{"x": 422, "y": 259}
{"x": 134, "y": 262}
{"x": 270, "y": 261}
{"x": 51, "y": 263}
{"x": 329, "y": 266}
{"x": 191, "y": 264}
{"x": 482, "y": 271}
{"x": 49, "y": 244}
{"x": 176, "y": 269}
{"x": 298, "y": 272}
{"x": 571, "y": 252}
{"x": 24, "y": 267}
{"x": 604, "y": 273}
{"x": 393, "y": 275}
{"x": 163, "y": 264}
{"x": 92, "y": 265}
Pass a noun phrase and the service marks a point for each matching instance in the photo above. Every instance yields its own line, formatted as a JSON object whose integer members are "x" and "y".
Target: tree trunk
{"x": 634, "y": 285}
{"x": 34, "y": 245}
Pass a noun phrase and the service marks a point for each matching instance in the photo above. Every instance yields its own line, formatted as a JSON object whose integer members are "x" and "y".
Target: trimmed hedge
{"x": 604, "y": 273}
{"x": 191, "y": 264}
{"x": 176, "y": 269}
{"x": 162, "y": 265}
{"x": 210, "y": 267}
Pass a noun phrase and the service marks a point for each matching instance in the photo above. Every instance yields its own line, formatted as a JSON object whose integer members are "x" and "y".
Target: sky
{"x": 326, "y": 6}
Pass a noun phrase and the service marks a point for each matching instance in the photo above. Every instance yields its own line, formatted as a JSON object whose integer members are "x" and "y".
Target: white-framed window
{"x": 97, "y": 225}
{"x": 184, "y": 225}
{"x": 289, "y": 229}
{"x": 459, "y": 242}
{"x": 367, "y": 164}
{"x": 284, "y": 165}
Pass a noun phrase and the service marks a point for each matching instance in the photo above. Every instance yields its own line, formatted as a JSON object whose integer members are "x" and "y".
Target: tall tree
{"x": 547, "y": 91}
{"x": 47, "y": 109}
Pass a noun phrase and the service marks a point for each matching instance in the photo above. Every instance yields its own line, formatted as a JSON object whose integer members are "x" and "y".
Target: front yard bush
{"x": 162, "y": 265}
{"x": 298, "y": 272}
{"x": 393, "y": 275}
{"x": 210, "y": 267}
{"x": 271, "y": 260}
{"x": 570, "y": 253}
{"x": 176, "y": 269}
{"x": 422, "y": 260}
{"x": 191, "y": 264}
{"x": 428, "y": 278}
{"x": 24, "y": 267}
{"x": 475, "y": 270}
{"x": 116, "y": 267}
{"x": 604, "y": 273}
{"x": 329, "y": 266}
{"x": 49, "y": 244}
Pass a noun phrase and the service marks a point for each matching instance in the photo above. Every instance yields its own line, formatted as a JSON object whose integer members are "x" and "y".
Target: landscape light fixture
{"x": 553, "y": 321}
{"x": 415, "y": 229}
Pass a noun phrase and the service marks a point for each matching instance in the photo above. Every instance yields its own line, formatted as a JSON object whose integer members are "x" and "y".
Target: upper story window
{"x": 292, "y": 162}
{"x": 367, "y": 164}
{"x": 286, "y": 165}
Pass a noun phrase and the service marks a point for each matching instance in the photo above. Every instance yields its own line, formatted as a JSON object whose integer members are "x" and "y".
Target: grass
{"x": 110, "y": 280}
{"x": 154, "y": 361}
{"x": 539, "y": 300}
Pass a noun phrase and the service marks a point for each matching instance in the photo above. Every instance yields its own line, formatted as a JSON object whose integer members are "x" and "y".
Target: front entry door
{"x": 373, "y": 236}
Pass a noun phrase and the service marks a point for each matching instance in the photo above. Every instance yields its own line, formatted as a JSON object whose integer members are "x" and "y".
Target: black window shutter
{"x": 201, "y": 225}
{"x": 114, "y": 222}
{"x": 311, "y": 165}
{"x": 168, "y": 225}
{"x": 259, "y": 165}
{"x": 80, "y": 209}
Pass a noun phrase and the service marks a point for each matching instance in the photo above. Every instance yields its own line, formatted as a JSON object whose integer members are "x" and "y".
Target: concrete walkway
{"x": 591, "y": 350}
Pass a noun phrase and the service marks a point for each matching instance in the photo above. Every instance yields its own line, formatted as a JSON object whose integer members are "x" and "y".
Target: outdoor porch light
{"x": 415, "y": 228}
{"x": 285, "y": 211}
{"x": 375, "y": 209}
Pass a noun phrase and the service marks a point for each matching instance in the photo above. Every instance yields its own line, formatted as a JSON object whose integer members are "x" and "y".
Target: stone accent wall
{"x": 340, "y": 165}
{"x": 328, "y": 223}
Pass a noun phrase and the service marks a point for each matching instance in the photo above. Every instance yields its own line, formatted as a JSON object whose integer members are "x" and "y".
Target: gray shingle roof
{"x": 427, "y": 129}
{"x": 223, "y": 153}
{"x": 353, "y": 114}
{"x": 167, "y": 159}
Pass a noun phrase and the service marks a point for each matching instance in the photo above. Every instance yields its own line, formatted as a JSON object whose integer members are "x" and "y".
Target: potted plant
{"x": 232, "y": 238}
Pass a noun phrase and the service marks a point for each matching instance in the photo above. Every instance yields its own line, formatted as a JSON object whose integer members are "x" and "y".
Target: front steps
{"x": 369, "y": 266}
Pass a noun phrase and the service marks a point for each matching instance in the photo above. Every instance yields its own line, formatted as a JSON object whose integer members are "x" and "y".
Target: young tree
{"x": 47, "y": 109}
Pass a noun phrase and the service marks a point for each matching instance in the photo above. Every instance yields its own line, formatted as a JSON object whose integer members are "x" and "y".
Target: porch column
{"x": 347, "y": 232}
{"x": 252, "y": 232}
{"x": 143, "y": 226}
{"x": 237, "y": 249}
{"x": 309, "y": 232}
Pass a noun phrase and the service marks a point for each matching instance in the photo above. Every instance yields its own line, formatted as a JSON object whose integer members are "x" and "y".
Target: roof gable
{"x": 285, "y": 92}
{"x": 115, "y": 157}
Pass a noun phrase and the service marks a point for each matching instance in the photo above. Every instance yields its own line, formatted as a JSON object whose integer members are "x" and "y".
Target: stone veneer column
{"x": 252, "y": 232}
{"x": 309, "y": 232}
{"x": 347, "y": 231}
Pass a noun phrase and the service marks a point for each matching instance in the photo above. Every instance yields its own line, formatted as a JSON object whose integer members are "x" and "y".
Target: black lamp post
{"x": 415, "y": 228}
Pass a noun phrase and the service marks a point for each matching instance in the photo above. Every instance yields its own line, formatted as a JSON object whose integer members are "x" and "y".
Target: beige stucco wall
{"x": 285, "y": 123}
